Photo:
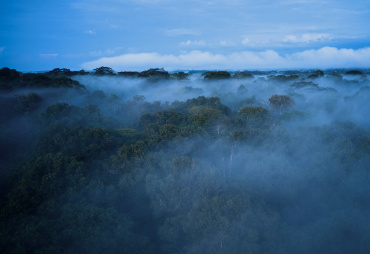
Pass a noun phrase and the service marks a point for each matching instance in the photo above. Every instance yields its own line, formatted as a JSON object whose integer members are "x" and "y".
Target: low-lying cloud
{"x": 179, "y": 32}
{"x": 47, "y": 56}
{"x": 306, "y": 38}
{"x": 326, "y": 57}
{"x": 193, "y": 43}
{"x": 91, "y": 32}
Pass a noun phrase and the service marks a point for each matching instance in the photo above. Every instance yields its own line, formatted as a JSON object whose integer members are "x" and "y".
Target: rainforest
{"x": 185, "y": 161}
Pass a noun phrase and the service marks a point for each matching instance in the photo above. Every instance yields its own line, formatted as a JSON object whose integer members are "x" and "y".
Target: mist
{"x": 324, "y": 99}
{"x": 250, "y": 162}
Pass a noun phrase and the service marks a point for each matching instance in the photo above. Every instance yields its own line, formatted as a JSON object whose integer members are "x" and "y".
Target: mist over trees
{"x": 184, "y": 162}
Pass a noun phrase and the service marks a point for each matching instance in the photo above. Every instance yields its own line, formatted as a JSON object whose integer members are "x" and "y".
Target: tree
{"x": 45, "y": 80}
{"x": 243, "y": 75}
{"x": 60, "y": 72}
{"x": 101, "y": 71}
{"x": 213, "y": 116}
{"x": 154, "y": 74}
{"x": 179, "y": 75}
{"x": 212, "y": 102}
{"x": 283, "y": 78}
{"x": 7, "y": 74}
{"x": 354, "y": 72}
{"x": 304, "y": 84}
{"x": 72, "y": 116}
{"x": 28, "y": 103}
{"x": 281, "y": 102}
{"x": 316, "y": 74}
{"x": 216, "y": 75}
{"x": 253, "y": 117}
{"x": 128, "y": 74}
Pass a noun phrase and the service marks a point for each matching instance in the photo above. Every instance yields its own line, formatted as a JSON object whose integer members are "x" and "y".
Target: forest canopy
{"x": 184, "y": 162}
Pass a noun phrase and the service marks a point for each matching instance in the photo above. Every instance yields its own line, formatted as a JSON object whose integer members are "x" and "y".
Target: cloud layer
{"x": 326, "y": 57}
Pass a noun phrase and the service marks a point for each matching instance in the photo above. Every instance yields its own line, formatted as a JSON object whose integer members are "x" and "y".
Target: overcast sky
{"x": 193, "y": 34}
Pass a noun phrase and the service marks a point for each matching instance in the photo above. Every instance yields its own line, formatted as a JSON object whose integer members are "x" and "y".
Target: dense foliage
{"x": 240, "y": 164}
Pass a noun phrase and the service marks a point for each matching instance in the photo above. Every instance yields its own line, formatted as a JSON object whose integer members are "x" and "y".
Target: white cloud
{"x": 193, "y": 43}
{"x": 327, "y": 57}
{"x": 179, "y": 31}
{"x": 94, "y": 6}
{"x": 108, "y": 51}
{"x": 150, "y": 1}
{"x": 47, "y": 56}
{"x": 309, "y": 37}
{"x": 331, "y": 57}
{"x": 227, "y": 43}
{"x": 302, "y": 2}
{"x": 245, "y": 41}
{"x": 91, "y": 32}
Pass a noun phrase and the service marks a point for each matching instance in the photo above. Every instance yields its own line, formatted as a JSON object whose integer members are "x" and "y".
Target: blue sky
{"x": 140, "y": 34}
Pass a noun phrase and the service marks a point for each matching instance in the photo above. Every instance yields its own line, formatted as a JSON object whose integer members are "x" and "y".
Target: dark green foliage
{"x": 96, "y": 97}
{"x": 8, "y": 77}
{"x": 41, "y": 179}
{"x": 212, "y": 102}
{"x": 292, "y": 115}
{"x": 348, "y": 141}
{"x": 56, "y": 111}
{"x": 243, "y": 75}
{"x": 336, "y": 77}
{"x": 316, "y": 74}
{"x": 242, "y": 89}
{"x": 179, "y": 75}
{"x": 211, "y": 114}
{"x": 129, "y": 74}
{"x": 354, "y": 72}
{"x": 64, "y": 72}
{"x": 160, "y": 134}
{"x": 71, "y": 116}
{"x": 308, "y": 85}
{"x": 246, "y": 102}
{"x": 183, "y": 163}
{"x": 304, "y": 84}
{"x": 129, "y": 135}
{"x": 91, "y": 229}
{"x": 80, "y": 72}
{"x": 42, "y": 80}
{"x": 200, "y": 215}
{"x": 83, "y": 144}
{"x": 281, "y": 102}
{"x": 40, "y": 221}
{"x": 169, "y": 117}
{"x": 57, "y": 72}
{"x": 7, "y": 74}
{"x": 163, "y": 117}
{"x": 253, "y": 117}
{"x": 283, "y": 78}
{"x": 217, "y": 120}
{"x": 216, "y": 75}
{"x": 190, "y": 89}
{"x": 155, "y": 74}
{"x": 199, "y": 120}
{"x": 193, "y": 176}
{"x": 28, "y": 103}
{"x": 58, "y": 78}
{"x": 127, "y": 155}
{"x": 101, "y": 71}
